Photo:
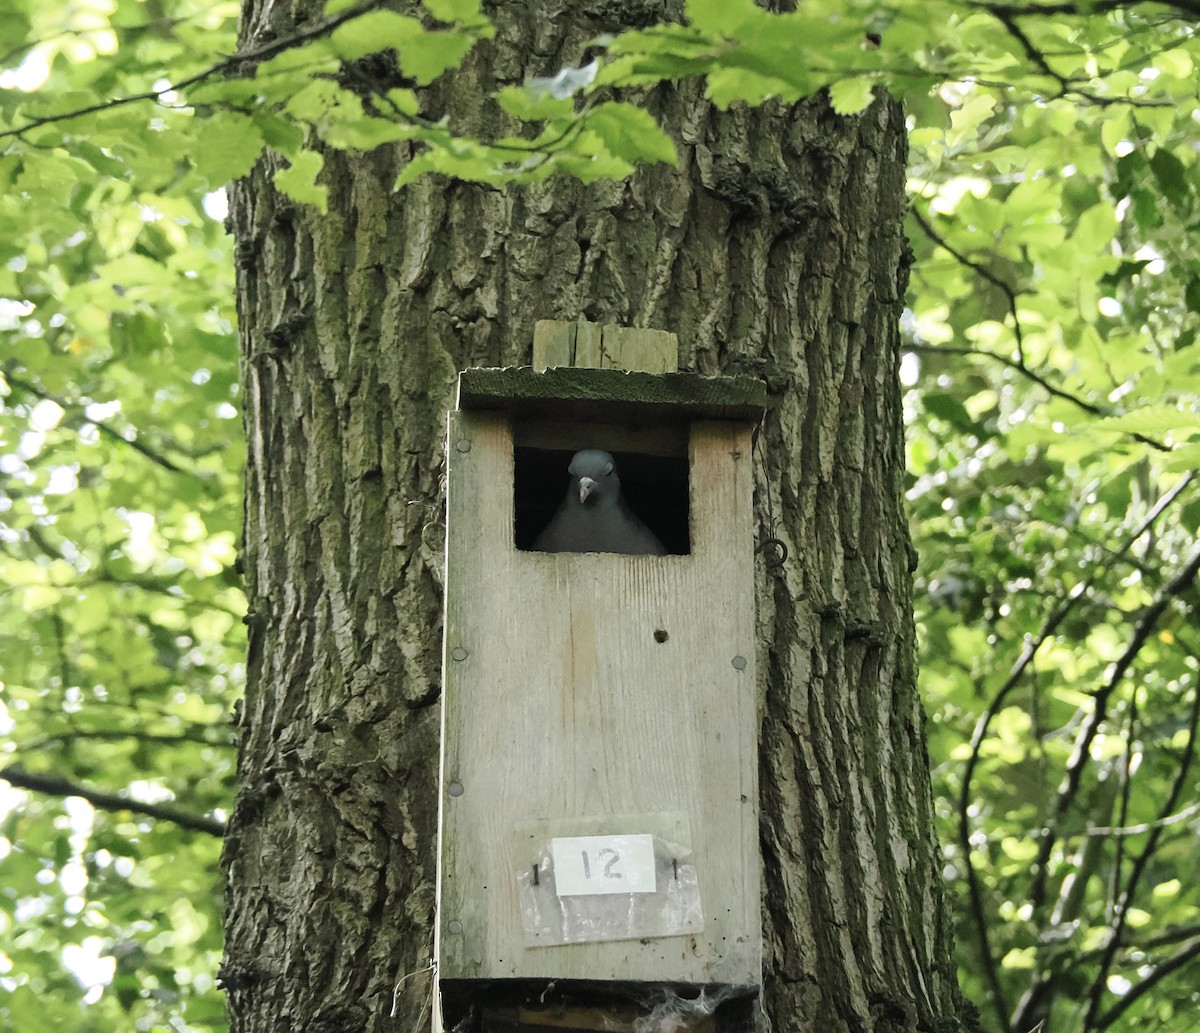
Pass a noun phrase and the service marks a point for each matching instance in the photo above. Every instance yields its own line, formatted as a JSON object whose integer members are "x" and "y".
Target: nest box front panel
{"x": 599, "y": 801}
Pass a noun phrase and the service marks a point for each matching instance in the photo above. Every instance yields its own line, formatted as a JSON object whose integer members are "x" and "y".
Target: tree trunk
{"x": 775, "y": 248}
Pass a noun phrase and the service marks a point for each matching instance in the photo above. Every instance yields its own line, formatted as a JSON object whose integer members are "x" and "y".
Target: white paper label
{"x": 603, "y": 864}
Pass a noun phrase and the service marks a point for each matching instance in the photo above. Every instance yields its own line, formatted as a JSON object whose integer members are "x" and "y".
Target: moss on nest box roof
{"x": 610, "y": 394}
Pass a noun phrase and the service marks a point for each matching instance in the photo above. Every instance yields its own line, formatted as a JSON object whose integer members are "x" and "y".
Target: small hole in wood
{"x": 660, "y": 636}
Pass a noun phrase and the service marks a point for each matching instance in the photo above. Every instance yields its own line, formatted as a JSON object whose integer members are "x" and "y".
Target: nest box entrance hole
{"x": 652, "y": 463}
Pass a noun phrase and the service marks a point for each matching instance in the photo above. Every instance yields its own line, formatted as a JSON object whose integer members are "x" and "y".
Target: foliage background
{"x": 1052, "y": 377}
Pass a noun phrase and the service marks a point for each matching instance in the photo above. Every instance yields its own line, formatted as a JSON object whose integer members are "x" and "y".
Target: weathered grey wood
{"x": 588, "y": 349}
{"x": 560, "y": 703}
{"x": 636, "y": 348}
{"x": 561, "y": 342}
{"x": 553, "y": 343}
{"x": 609, "y": 395}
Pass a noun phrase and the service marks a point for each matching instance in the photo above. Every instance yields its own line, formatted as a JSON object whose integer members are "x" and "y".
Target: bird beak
{"x": 586, "y": 484}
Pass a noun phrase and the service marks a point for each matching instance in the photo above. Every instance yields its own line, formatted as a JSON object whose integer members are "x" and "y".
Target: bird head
{"x": 595, "y": 473}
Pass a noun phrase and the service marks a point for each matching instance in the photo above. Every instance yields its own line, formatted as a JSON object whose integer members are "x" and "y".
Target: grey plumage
{"x": 594, "y": 516}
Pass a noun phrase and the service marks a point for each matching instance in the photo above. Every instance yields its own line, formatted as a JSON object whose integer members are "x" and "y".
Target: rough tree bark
{"x": 775, "y": 249}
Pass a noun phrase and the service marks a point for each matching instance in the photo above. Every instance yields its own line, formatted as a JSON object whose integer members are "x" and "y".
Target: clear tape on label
{"x": 616, "y": 877}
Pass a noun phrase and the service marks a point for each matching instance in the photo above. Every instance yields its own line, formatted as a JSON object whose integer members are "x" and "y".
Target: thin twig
{"x": 104, "y": 428}
{"x": 1032, "y": 646}
{"x": 1173, "y": 964}
{"x": 115, "y": 735}
{"x": 1092, "y": 722}
{"x": 1146, "y": 826}
{"x": 254, "y": 56}
{"x": 1066, "y": 85}
{"x": 119, "y": 31}
{"x": 1188, "y": 7}
{"x": 1139, "y": 868}
{"x": 1037, "y": 378}
{"x": 55, "y": 786}
{"x": 1009, "y": 293}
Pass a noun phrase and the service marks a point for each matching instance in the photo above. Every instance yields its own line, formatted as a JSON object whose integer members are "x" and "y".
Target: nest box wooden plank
{"x": 599, "y": 807}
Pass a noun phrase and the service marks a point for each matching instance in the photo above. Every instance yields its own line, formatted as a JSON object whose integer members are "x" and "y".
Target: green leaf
{"x": 727, "y": 86}
{"x": 1185, "y": 459}
{"x": 299, "y": 180}
{"x": 589, "y": 168}
{"x": 1095, "y": 229}
{"x": 966, "y": 120}
{"x": 1176, "y": 62}
{"x": 850, "y": 96}
{"x": 1152, "y": 420}
{"x": 1171, "y": 176}
{"x": 950, "y": 409}
{"x": 467, "y": 11}
{"x": 365, "y": 133}
{"x": 630, "y": 133}
{"x": 101, "y": 162}
{"x": 1191, "y": 294}
{"x": 280, "y": 134}
{"x": 427, "y": 57}
{"x": 372, "y": 32}
{"x": 530, "y": 106}
{"x": 405, "y": 101}
{"x": 720, "y": 16}
{"x": 1145, "y": 209}
{"x": 227, "y": 145}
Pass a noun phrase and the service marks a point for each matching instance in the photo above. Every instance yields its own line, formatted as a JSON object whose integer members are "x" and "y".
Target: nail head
{"x": 458, "y": 653}
{"x": 456, "y": 789}
{"x": 739, "y": 663}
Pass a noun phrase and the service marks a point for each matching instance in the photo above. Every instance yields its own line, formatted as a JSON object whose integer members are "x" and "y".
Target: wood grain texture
{"x": 560, "y": 342}
{"x": 560, "y": 703}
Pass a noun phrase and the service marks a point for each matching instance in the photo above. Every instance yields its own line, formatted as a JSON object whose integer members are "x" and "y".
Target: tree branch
{"x": 1042, "y": 382}
{"x": 1091, "y": 726}
{"x": 1032, "y": 646}
{"x": 1175, "y": 962}
{"x": 1188, "y": 7}
{"x": 1146, "y": 826}
{"x": 54, "y": 786}
{"x": 1139, "y": 867}
{"x": 1019, "y": 363}
{"x": 118, "y": 735}
{"x": 232, "y": 62}
{"x": 104, "y": 428}
{"x": 156, "y": 25}
{"x": 1038, "y": 58}
{"x": 987, "y": 274}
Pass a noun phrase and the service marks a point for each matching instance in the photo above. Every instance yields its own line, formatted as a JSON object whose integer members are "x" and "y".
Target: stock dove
{"x": 594, "y": 516}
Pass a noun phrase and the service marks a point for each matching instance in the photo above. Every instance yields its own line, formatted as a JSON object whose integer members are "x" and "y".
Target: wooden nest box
{"x": 599, "y": 811}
